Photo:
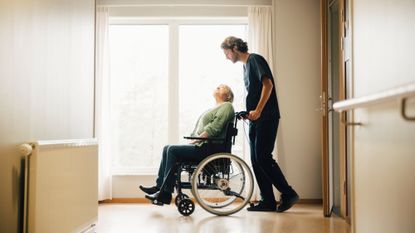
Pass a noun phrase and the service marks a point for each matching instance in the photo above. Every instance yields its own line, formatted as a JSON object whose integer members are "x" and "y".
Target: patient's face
{"x": 222, "y": 92}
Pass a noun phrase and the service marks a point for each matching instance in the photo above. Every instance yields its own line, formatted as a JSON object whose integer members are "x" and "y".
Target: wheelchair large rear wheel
{"x": 222, "y": 184}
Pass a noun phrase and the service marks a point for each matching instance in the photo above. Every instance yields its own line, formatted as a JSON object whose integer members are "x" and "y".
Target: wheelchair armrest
{"x": 204, "y": 139}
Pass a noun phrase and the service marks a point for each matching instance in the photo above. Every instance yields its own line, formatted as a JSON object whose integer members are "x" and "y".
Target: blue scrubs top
{"x": 255, "y": 69}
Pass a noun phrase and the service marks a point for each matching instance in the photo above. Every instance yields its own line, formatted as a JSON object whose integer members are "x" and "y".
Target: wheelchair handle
{"x": 241, "y": 115}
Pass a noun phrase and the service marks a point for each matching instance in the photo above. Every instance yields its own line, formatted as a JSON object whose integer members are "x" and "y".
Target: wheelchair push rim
{"x": 222, "y": 184}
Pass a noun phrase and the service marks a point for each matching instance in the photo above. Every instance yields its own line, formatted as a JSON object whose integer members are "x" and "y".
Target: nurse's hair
{"x": 231, "y": 42}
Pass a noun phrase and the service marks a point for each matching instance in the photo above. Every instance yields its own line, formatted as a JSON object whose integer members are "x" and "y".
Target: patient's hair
{"x": 230, "y": 42}
{"x": 229, "y": 96}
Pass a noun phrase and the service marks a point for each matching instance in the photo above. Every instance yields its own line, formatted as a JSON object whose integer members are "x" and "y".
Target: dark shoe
{"x": 160, "y": 198}
{"x": 287, "y": 201}
{"x": 262, "y": 206}
{"x": 149, "y": 190}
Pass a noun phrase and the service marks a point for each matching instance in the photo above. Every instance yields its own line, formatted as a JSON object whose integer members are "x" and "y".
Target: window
{"x": 162, "y": 79}
{"x": 202, "y": 67}
{"x": 138, "y": 94}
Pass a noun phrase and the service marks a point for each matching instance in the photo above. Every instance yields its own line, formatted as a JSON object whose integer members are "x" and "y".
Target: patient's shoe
{"x": 287, "y": 201}
{"x": 160, "y": 198}
{"x": 149, "y": 190}
{"x": 262, "y": 206}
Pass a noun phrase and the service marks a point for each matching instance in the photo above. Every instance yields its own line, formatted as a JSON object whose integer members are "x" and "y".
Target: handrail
{"x": 401, "y": 92}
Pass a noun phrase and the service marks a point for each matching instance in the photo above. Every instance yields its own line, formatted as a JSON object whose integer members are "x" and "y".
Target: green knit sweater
{"x": 214, "y": 121}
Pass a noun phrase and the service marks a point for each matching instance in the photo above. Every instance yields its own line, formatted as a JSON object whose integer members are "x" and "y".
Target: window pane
{"x": 202, "y": 67}
{"x": 139, "y": 67}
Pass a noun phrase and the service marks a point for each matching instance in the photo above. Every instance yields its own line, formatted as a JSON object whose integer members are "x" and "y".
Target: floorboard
{"x": 120, "y": 218}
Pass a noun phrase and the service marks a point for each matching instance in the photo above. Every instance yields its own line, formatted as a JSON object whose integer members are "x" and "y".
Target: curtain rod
{"x": 178, "y": 5}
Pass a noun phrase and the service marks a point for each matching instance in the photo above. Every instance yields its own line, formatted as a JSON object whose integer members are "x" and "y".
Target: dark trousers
{"x": 173, "y": 155}
{"x": 262, "y": 135}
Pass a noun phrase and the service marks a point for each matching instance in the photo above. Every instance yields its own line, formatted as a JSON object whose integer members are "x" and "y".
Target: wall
{"x": 297, "y": 68}
{"x": 384, "y": 154}
{"x": 12, "y": 185}
{"x": 46, "y": 69}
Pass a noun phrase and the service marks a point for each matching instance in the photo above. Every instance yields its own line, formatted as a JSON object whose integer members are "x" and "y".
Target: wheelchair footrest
{"x": 159, "y": 203}
{"x": 186, "y": 185}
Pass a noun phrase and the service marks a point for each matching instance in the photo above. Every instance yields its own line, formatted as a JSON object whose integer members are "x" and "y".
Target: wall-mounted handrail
{"x": 397, "y": 93}
{"x": 403, "y": 111}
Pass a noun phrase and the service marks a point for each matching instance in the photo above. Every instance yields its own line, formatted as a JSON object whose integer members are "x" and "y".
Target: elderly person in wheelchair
{"x": 212, "y": 123}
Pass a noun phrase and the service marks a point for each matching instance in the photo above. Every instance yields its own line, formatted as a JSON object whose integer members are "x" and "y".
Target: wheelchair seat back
{"x": 231, "y": 132}
{"x": 222, "y": 165}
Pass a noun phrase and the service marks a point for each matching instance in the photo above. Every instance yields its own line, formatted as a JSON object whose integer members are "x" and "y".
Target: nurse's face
{"x": 231, "y": 55}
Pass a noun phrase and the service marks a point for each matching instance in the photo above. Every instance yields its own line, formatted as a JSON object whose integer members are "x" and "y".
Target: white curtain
{"x": 260, "y": 42}
{"x": 103, "y": 121}
{"x": 260, "y": 32}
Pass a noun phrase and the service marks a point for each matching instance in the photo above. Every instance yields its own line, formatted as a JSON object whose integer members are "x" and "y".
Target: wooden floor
{"x": 119, "y": 218}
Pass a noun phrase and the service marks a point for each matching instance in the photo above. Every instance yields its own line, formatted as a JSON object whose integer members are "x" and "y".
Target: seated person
{"x": 212, "y": 123}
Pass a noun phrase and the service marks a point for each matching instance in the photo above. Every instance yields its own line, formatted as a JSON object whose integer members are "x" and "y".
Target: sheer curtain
{"x": 102, "y": 104}
{"x": 260, "y": 32}
{"x": 260, "y": 42}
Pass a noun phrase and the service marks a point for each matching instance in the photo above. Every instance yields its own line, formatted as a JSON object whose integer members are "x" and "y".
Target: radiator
{"x": 59, "y": 182}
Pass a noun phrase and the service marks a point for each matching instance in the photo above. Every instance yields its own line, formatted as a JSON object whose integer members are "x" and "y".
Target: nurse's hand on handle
{"x": 254, "y": 115}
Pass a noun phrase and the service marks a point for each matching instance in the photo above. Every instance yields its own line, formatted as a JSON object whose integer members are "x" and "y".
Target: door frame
{"x": 323, "y": 106}
{"x": 324, "y": 64}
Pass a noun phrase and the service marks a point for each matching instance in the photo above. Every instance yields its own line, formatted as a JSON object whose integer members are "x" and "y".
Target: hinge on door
{"x": 323, "y": 103}
{"x": 344, "y": 188}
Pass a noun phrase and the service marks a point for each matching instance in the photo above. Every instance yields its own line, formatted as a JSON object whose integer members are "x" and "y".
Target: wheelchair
{"x": 222, "y": 183}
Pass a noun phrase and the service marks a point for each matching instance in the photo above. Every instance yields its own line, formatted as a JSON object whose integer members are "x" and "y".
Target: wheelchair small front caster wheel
{"x": 186, "y": 207}
{"x": 180, "y": 197}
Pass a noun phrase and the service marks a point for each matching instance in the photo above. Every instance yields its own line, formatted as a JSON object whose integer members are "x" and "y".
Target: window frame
{"x": 173, "y": 70}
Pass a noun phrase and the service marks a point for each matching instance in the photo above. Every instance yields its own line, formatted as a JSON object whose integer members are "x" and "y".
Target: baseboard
{"x": 146, "y": 201}
{"x": 125, "y": 200}
{"x": 310, "y": 201}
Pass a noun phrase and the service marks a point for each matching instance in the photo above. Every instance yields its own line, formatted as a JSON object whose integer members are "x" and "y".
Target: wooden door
{"x": 347, "y": 92}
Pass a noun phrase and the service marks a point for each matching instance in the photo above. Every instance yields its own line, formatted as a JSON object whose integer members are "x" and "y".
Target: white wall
{"x": 297, "y": 73}
{"x": 384, "y": 155}
{"x": 46, "y": 69}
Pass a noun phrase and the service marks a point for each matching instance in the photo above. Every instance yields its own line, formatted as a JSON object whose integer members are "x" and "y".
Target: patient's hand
{"x": 194, "y": 141}
{"x": 204, "y": 135}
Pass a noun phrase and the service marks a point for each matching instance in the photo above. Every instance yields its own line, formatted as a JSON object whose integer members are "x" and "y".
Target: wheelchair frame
{"x": 224, "y": 164}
